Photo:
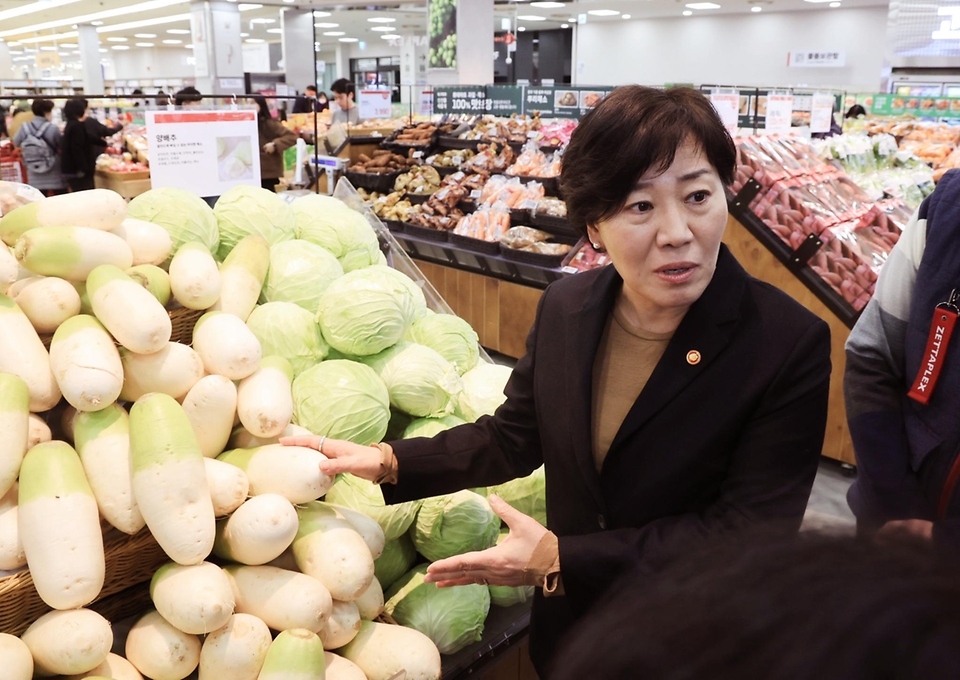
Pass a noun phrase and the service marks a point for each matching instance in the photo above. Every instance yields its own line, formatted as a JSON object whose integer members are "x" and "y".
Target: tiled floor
{"x": 828, "y": 508}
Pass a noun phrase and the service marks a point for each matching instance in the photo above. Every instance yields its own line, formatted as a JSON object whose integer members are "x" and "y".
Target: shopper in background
{"x": 902, "y": 382}
{"x": 21, "y": 115}
{"x": 344, "y": 93}
{"x": 274, "y": 140}
{"x": 669, "y": 396}
{"x": 40, "y": 145}
{"x": 189, "y": 97}
{"x": 80, "y": 147}
{"x": 3, "y": 123}
{"x": 323, "y": 102}
{"x": 307, "y": 102}
{"x": 162, "y": 98}
{"x": 856, "y": 111}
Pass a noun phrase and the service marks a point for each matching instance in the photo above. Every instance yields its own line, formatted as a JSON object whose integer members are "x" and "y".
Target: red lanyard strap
{"x": 938, "y": 342}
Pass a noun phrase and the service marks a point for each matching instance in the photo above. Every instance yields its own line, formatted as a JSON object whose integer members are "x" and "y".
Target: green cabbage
{"x": 482, "y": 391}
{"x": 452, "y": 617}
{"x": 421, "y": 382}
{"x": 344, "y": 232}
{"x": 454, "y": 524}
{"x": 342, "y": 400}
{"x": 415, "y": 304}
{"x": 507, "y": 596}
{"x": 299, "y": 272}
{"x": 288, "y": 330}
{"x": 451, "y": 336}
{"x": 526, "y": 494}
{"x": 380, "y": 360}
{"x": 429, "y": 427}
{"x": 396, "y": 559}
{"x": 366, "y": 497}
{"x": 245, "y": 210}
{"x": 186, "y": 217}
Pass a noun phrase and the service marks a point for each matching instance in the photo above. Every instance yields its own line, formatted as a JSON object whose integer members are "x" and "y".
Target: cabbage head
{"x": 361, "y": 314}
{"x": 452, "y": 617}
{"x": 455, "y": 524}
{"x": 482, "y": 391}
{"x": 366, "y": 497}
{"x": 507, "y": 596}
{"x": 342, "y": 400}
{"x": 185, "y": 217}
{"x": 451, "y": 336}
{"x": 245, "y": 210}
{"x": 288, "y": 330}
{"x": 344, "y": 232}
{"x": 397, "y": 558}
{"x": 421, "y": 382}
{"x": 429, "y": 427}
{"x": 380, "y": 360}
{"x": 415, "y": 303}
{"x": 526, "y": 494}
{"x": 299, "y": 272}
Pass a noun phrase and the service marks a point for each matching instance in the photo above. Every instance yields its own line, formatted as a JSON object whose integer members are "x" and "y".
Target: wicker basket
{"x": 182, "y": 319}
{"x": 131, "y": 561}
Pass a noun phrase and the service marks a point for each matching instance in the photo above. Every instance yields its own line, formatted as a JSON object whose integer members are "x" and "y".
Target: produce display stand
{"x": 501, "y": 653}
{"x": 127, "y": 184}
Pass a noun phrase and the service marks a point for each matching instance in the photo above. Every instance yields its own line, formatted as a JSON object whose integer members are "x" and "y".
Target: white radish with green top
{"x": 132, "y": 315}
{"x": 71, "y": 252}
{"x": 103, "y": 442}
{"x": 49, "y": 302}
{"x": 242, "y": 275}
{"x": 281, "y": 598}
{"x": 169, "y": 479}
{"x": 265, "y": 399}
{"x": 295, "y": 654}
{"x": 149, "y": 242}
{"x": 21, "y": 284}
{"x": 196, "y": 599}
{"x": 228, "y": 486}
{"x": 9, "y": 268}
{"x": 258, "y": 531}
{"x": 68, "y": 642}
{"x": 241, "y": 439}
{"x": 211, "y": 405}
{"x": 236, "y": 651}
{"x": 381, "y": 651}
{"x": 367, "y": 527}
{"x": 11, "y": 547}
{"x": 17, "y": 660}
{"x": 342, "y": 626}
{"x": 22, "y": 354}
{"x": 339, "y": 668}
{"x": 174, "y": 371}
{"x": 194, "y": 277}
{"x": 291, "y": 471}
{"x": 154, "y": 280}
{"x": 160, "y": 651}
{"x": 95, "y": 209}
{"x": 60, "y": 527}
{"x": 67, "y": 418}
{"x": 81, "y": 288}
{"x": 115, "y": 667}
{"x": 226, "y": 345}
{"x": 370, "y": 602}
{"x": 86, "y": 364}
{"x": 329, "y": 548}
{"x": 39, "y": 431}
{"x": 15, "y": 426}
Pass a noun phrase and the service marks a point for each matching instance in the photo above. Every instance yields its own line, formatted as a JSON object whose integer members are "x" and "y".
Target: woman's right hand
{"x": 342, "y": 456}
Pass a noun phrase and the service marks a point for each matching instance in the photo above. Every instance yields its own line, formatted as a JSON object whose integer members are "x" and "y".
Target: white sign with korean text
{"x": 426, "y": 103}
{"x": 375, "y": 104}
{"x": 821, "y": 113}
{"x": 727, "y": 105}
{"x": 817, "y": 59}
{"x": 204, "y": 152}
{"x": 779, "y": 112}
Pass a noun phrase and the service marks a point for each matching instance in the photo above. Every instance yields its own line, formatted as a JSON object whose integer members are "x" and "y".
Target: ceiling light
{"x": 34, "y": 7}
{"x": 572, "y": 20}
{"x": 172, "y": 42}
{"x": 95, "y": 18}
{"x": 379, "y": 28}
{"x": 531, "y": 17}
{"x": 333, "y": 34}
{"x": 702, "y": 5}
{"x": 391, "y": 36}
{"x": 603, "y": 12}
{"x": 834, "y": 4}
{"x": 255, "y": 41}
{"x": 68, "y": 45}
{"x": 275, "y": 30}
{"x": 189, "y": 47}
{"x": 289, "y": 2}
{"x": 548, "y": 5}
{"x": 144, "y": 35}
{"x": 349, "y": 40}
{"x": 178, "y": 31}
{"x": 756, "y": 9}
{"x": 564, "y": 25}
{"x": 103, "y": 50}
{"x": 687, "y": 13}
{"x": 381, "y": 20}
{"x": 327, "y": 24}
{"x": 121, "y": 47}
{"x": 16, "y": 51}
{"x": 263, "y": 21}
{"x": 319, "y": 15}
{"x": 96, "y": 23}
{"x": 247, "y": 6}
{"x": 144, "y": 44}
{"x": 521, "y": 29}
{"x": 116, "y": 39}
{"x": 48, "y": 49}
{"x": 624, "y": 16}
{"x": 244, "y": 35}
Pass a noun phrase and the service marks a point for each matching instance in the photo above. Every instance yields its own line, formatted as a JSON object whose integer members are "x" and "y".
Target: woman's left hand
{"x": 503, "y": 565}
{"x": 269, "y": 147}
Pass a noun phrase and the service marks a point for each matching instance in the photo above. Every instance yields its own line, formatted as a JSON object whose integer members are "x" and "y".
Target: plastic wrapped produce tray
{"x": 372, "y": 181}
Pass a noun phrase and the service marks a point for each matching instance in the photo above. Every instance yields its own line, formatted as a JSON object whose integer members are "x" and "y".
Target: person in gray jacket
{"x": 39, "y": 141}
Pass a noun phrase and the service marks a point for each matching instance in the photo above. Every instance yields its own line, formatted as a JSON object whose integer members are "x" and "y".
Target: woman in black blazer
{"x": 722, "y": 431}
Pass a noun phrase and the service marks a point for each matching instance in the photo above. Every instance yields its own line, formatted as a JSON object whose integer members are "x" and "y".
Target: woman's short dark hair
{"x": 187, "y": 94}
{"x": 41, "y": 107}
{"x": 856, "y": 111}
{"x": 631, "y": 131}
{"x": 74, "y": 108}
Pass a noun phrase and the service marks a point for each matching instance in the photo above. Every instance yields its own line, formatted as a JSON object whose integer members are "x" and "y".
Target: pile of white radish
{"x": 118, "y": 422}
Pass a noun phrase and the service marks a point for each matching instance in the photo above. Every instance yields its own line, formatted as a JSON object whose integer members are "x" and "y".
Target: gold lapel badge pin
{"x": 693, "y": 357}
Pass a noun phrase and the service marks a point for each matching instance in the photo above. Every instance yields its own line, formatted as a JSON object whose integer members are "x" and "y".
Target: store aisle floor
{"x": 827, "y": 508}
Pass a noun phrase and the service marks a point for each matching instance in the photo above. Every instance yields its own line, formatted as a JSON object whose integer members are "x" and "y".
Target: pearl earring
{"x": 596, "y": 246}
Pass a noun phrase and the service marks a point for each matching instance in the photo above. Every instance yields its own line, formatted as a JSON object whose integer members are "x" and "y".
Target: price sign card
{"x": 375, "y": 104}
{"x": 779, "y": 112}
{"x": 727, "y": 105}
{"x": 821, "y": 113}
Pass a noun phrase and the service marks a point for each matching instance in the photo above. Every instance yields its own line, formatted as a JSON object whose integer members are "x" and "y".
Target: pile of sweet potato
{"x": 381, "y": 162}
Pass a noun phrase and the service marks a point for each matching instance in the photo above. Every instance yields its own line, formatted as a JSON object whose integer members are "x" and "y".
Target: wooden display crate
{"x": 127, "y": 184}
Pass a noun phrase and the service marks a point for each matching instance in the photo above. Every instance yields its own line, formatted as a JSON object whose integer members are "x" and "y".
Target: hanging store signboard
{"x": 817, "y": 59}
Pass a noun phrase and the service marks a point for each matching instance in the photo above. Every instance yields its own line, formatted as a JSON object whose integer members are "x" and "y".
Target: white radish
{"x": 240, "y": 438}
{"x": 194, "y": 277}
{"x": 68, "y": 642}
{"x": 39, "y": 431}
{"x": 60, "y": 527}
{"x": 328, "y": 548}
{"x": 11, "y": 547}
{"x": 149, "y": 242}
{"x": 48, "y": 303}
{"x": 81, "y": 288}
{"x": 382, "y": 650}
{"x": 115, "y": 667}
{"x": 258, "y": 531}
{"x": 242, "y": 275}
{"x": 295, "y": 654}
{"x": 280, "y": 598}
{"x": 160, "y": 651}
{"x": 173, "y": 370}
{"x": 370, "y": 602}
{"x": 265, "y": 399}
{"x": 96, "y": 209}
{"x": 103, "y": 443}
{"x": 211, "y": 405}
{"x": 9, "y": 269}
{"x": 17, "y": 661}
{"x": 169, "y": 479}
{"x": 20, "y": 285}
{"x": 67, "y": 419}
{"x": 226, "y": 345}
{"x": 15, "y": 426}
{"x": 291, "y": 471}
{"x": 86, "y": 363}
{"x": 339, "y": 668}
{"x": 197, "y": 599}
{"x": 236, "y": 651}
{"x": 132, "y": 315}
{"x": 342, "y": 626}
{"x": 367, "y": 527}
{"x": 71, "y": 252}
{"x": 228, "y": 485}
{"x": 154, "y": 280}
{"x": 23, "y": 354}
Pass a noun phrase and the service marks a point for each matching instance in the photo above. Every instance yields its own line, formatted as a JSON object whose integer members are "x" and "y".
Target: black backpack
{"x": 38, "y": 154}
